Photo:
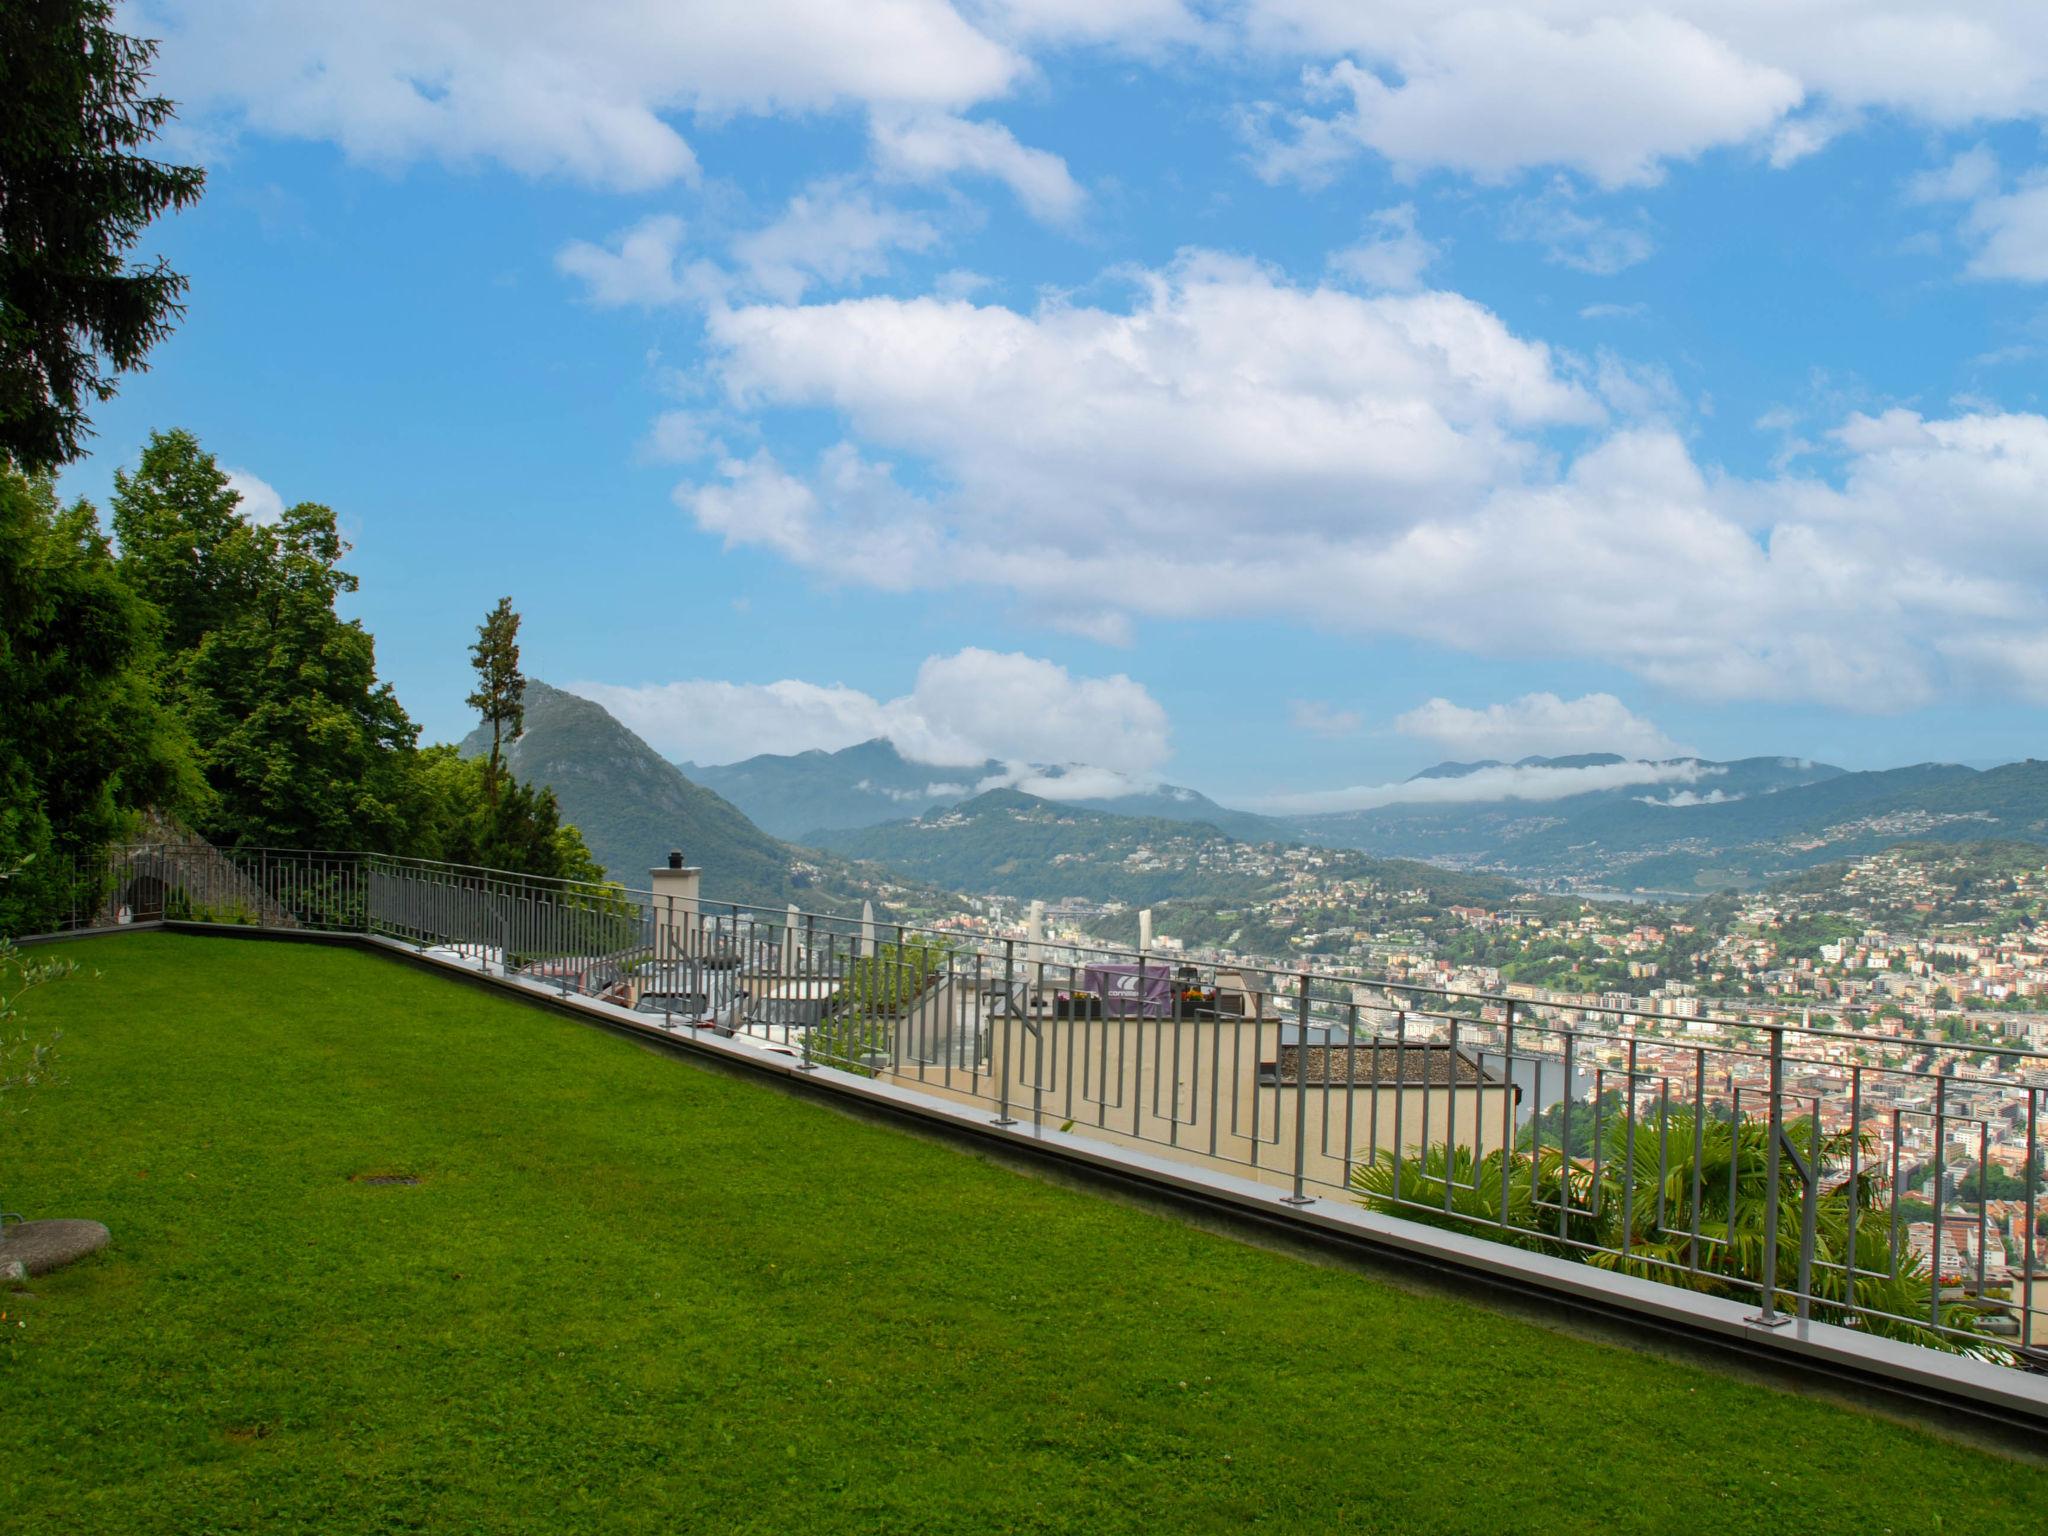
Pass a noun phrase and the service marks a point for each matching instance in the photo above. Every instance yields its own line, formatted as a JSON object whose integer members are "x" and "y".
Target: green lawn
{"x": 632, "y": 1295}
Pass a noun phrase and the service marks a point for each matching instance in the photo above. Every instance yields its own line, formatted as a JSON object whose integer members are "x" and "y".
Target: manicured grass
{"x": 633, "y": 1295}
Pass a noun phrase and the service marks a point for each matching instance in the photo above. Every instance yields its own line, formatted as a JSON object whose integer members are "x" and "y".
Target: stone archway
{"x": 145, "y": 897}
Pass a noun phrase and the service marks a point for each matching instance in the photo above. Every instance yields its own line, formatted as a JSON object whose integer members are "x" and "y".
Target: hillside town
{"x": 1909, "y": 988}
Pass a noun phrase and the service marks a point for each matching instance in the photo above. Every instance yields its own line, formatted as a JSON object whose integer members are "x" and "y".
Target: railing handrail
{"x": 1118, "y": 954}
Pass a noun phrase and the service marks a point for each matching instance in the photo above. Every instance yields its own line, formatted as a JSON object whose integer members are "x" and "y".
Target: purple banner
{"x": 1119, "y": 988}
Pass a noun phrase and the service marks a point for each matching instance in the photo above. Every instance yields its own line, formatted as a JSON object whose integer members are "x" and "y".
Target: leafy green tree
{"x": 500, "y": 695}
{"x": 76, "y": 192}
{"x": 185, "y": 545}
{"x": 522, "y": 831}
{"x": 86, "y": 740}
{"x": 302, "y": 744}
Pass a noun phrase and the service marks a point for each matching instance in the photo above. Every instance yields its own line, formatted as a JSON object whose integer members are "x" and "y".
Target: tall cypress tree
{"x": 500, "y": 695}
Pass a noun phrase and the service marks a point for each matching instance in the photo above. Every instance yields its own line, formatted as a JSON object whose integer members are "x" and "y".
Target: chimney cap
{"x": 675, "y": 858}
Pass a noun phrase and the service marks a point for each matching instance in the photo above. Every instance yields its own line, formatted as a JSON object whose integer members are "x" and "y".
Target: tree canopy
{"x": 86, "y": 736}
{"x": 76, "y": 193}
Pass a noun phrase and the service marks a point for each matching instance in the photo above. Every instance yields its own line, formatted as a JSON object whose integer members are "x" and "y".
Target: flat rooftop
{"x": 627, "y": 1292}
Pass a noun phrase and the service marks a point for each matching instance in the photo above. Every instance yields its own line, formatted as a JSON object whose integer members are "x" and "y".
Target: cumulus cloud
{"x": 1393, "y": 256}
{"x": 2010, "y": 233}
{"x": 260, "y": 502}
{"x": 1393, "y": 463}
{"x": 1495, "y": 87}
{"x": 1501, "y": 783}
{"x": 1537, "y": 725}
{"x": 1486, "y": 87}
{"x": 2004, "y": 224}
{"x": 585, "y": 91}
{"x": 963, "y": 711}
{"x": 1496, "y": 90}
{"x": 933, "y": 146}
{"x": 832, "y": 233}
{"x": 640, "y": 266}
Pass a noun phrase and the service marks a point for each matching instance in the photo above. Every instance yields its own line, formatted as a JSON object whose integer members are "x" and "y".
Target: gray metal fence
{"x": 1861, "y": 1178}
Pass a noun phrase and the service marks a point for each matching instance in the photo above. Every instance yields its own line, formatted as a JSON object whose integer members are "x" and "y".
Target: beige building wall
{"x": 1192, "y": 1089}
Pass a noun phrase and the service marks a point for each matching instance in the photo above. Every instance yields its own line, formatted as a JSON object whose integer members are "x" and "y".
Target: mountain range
{"x": 1208, "y": 886}
{"x": 805, "y": 793}
{"x": 1717, "y": 825}
{"x": 1680, "y": 826}
{"x": 632, "y": 806}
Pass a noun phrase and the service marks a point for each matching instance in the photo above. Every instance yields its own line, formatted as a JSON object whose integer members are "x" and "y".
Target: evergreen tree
{"x": 500, "y": 695}
{"x": 76, "y": 192}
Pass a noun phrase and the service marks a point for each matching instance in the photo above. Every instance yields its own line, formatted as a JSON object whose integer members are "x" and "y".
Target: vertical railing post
{"x": 1009, "y": 1026}
{"x": 1300, "y": 1195}
{"x": 1767, "y": 1314}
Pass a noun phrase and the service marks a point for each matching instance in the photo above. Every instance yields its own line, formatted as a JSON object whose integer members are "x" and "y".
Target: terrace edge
{"x": 1995, "y": 1402}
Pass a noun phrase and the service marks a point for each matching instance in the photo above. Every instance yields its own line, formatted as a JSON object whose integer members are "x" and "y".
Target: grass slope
{"x": 632, "y": 1295}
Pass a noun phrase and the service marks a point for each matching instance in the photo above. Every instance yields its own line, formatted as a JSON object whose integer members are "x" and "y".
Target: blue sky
{"x": 1273, "y": 397}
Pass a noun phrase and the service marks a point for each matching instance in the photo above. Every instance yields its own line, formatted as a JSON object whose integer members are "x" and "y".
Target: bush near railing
{"x": 859, "y": 1023}
{"x": 1633, "y": 1210}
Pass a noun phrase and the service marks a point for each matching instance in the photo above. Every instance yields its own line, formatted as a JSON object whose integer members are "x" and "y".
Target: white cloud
{"x": 831, "y": 233}
{"x": 260, "y": 503}
{"x": 1496, "y": 90}
{"x": 639, "y": 268}
{"x": 2010, "y": 232}
{"x": 2005, "y": 227}
{"x": 1501, "y": 783}
{"x": 595, "y": 91}
{"x": 1326, "y": 720}
{"x": 1963, "y": 179}
{"x": 1678, "y": 799}
{"x": 584, "y": 91}
{"x": 1537, "y": 725}
{"x": 1393, "y": 256}
{"x": 1399, "y": 464}
{"x": 1572, "y": 238}
{"x": 1615, "y": 93}
{"x": 681, "y": 437}
{"x": 964, "y": 710}
{"x": 933, "y": 146}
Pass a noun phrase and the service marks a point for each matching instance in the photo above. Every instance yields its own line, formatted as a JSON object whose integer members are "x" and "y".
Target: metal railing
{"x": 1756, "y": 1159}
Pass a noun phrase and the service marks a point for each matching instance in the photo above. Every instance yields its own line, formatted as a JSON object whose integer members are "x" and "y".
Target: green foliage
{"x": 77, "y": 189}
{"x": 85, "y": 738}
{"x": 861, "y": 1016}
{"x": 834, "y": 1327}
{"x": 632, "y": 806}
{"x": 500, "y": 695}
{"x": 1687, "y": 1200}
{"x": 521, "y": 831}
{"x": 28, "y": 1061}
{"x": 887, "y": 980}
{"x": 301, "y": 745}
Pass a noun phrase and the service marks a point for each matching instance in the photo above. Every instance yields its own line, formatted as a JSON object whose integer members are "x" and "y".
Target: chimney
{"x": 678, "y": 928}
